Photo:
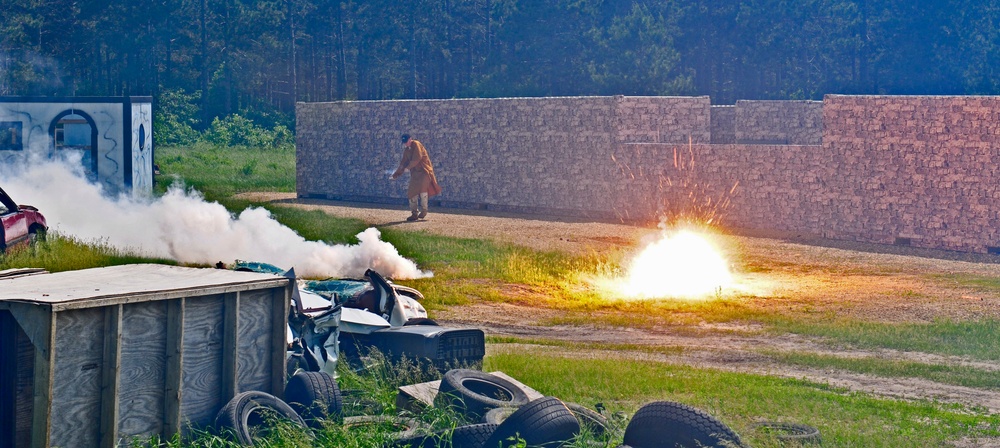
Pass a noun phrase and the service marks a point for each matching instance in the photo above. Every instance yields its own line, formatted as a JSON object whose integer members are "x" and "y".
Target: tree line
{"x": 263, "y": 56}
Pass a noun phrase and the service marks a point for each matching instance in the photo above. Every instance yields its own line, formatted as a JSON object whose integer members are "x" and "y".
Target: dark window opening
{"x": 10, "y": 136}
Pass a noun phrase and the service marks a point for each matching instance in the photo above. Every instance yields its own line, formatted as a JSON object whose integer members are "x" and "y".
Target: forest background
{"x": 228, "y": 67}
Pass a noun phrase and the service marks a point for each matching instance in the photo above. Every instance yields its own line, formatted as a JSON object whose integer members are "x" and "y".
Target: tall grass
{"x": 64, "y": 253}
{"x": 220, "y": 172}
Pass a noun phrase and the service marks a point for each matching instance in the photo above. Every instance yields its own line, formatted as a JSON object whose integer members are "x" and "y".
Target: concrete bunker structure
{"x": 112, "y": 136}
{"x": 906, "y": 170}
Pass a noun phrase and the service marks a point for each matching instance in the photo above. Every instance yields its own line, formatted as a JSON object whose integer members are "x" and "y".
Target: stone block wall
{"x": 510, "y": 154}
{"x": 663, "y": 119}
{"x": 922, "y": 169}
{"x": 779, "y": 122}
{"x": 723, "y": 125}
{"x": 895, "y": 170}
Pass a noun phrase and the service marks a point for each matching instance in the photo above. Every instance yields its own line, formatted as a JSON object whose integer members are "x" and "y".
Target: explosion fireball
{"x": 682, "y": 264}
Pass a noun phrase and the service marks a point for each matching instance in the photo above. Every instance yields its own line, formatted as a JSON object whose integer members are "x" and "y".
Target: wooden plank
{"x": 8, "y": 379}
{"x": 143, "y": 370}
{"x": 230, "y": 346}
{"x": 280, "y": 299}
{"x": 174, "y": 368}
{"x": 24, "y": 399}
{"x": 256, "y": 342}
{"x": 44, "y": 377}
{"x": 164, "y": 295}
{"x": 111, "y": 366}
{"x": 36, "y": 322}
{"x": 77, "y": 377}
{"x": 202, "y": 367}
{"x": 118, "y": 285}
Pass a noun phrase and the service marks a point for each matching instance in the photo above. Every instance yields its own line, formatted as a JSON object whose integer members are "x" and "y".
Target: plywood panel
{"x": 76, "y": 388}
{"x": 254, "y": 349}
{"x": 202, "y": 367}
{"x": 142, "y": 375}
{"x": 24, "y": 398}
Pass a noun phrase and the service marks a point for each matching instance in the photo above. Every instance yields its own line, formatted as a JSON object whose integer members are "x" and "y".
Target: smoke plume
{"x": 182, "y": 226}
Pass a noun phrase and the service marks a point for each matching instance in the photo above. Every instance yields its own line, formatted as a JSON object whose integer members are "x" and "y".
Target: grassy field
{"x": 471, "y": 271}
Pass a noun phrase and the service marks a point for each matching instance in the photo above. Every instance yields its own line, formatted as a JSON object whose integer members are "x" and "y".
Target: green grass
{"x": 957, "y": 375}
{"x": 58, "y": 253}
{"x": 222, "y": 172}
{"x": 844, "y": 418}
{"x": 979, "y": 339}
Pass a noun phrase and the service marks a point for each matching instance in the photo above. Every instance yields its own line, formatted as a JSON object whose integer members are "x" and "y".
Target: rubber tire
{"x": 316, "y": 397}
{"x": 496, "y": 416}
{"x": 791, "y": 431}
{"x": 409, "y": 427}
{"x": 545, "y": 422}
{"x": 244, "y": 412}
{"x": 472, "y": 392}
{"x": 420, "y": 321}
{"x": 468, "y": 436}
{"x": 589, "y": 418}
{"x": 668, "y": 424}
{"x": 37, "y": 234}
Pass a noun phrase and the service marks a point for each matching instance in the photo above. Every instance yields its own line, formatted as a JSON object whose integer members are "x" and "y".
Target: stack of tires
{"x": 499, "y": 410}
{"x": 508, "y": 419}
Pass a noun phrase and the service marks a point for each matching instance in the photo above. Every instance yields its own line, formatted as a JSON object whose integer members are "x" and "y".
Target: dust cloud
{"x": 183, "y": 226}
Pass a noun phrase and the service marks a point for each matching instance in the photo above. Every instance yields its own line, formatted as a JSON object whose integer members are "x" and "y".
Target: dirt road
{"x": 839, "y": 279}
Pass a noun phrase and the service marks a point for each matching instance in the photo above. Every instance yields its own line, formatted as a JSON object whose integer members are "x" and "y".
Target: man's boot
{"x": 423, "y": 200}
{"x": 414, "y": 202}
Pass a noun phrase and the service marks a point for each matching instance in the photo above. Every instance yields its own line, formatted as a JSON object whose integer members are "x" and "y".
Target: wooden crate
{"x": 99, "y": 356}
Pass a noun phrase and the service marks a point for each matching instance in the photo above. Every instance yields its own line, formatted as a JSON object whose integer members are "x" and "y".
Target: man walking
{"x": 423, "y": 184}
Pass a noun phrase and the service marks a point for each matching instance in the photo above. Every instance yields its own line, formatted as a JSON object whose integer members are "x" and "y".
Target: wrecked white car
{"x": 349, "y": 317}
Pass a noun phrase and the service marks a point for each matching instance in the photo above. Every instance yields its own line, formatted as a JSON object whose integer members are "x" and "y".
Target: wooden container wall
{"x": 102, "y": 372}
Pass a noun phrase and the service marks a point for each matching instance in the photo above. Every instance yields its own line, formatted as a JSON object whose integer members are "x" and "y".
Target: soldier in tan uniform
{"x": 423, "y": 184}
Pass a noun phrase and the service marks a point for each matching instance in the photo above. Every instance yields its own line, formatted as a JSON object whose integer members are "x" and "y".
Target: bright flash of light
{"x": 683, "y": 264}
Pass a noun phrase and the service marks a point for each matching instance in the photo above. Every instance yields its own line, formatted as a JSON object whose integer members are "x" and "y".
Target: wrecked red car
{"x": 21, "y": 223}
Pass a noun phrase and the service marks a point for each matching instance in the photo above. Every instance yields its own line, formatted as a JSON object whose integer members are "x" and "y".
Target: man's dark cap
{"x": 406, "y": 137}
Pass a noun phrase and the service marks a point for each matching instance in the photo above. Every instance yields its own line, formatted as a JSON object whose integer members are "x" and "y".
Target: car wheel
{"x": 667, "y": 423}
{"x": 251, "y": 413}
{"x": 37, "y": 234}
{"x": 473, "y": 392}
{"x": 315, "y": 396}
{"x": 545, "y": 422}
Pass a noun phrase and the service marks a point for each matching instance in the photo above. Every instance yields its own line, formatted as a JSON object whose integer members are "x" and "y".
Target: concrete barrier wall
{"x": 894, "y": 170}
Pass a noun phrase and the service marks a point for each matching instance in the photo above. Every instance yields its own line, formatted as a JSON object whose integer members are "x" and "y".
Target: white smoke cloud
{"x": 182, "y": 226}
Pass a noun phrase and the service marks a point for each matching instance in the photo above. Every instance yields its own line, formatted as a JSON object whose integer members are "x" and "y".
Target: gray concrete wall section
{"x": 915, "y": 170}
{"x": 779, "y": 122}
